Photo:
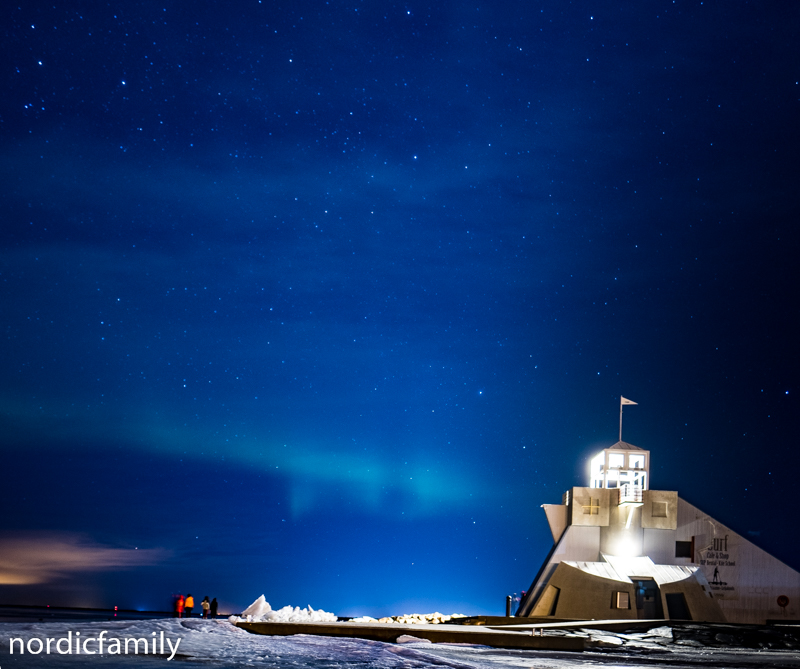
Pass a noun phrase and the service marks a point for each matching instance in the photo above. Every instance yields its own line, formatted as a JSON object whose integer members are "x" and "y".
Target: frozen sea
{"x": 217, "y": 643}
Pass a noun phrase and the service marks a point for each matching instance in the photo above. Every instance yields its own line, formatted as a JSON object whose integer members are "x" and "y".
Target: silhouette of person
{"x": 206, "y": 606}
{"x": 213, "y": 610}
{"x": 179, "y": 604}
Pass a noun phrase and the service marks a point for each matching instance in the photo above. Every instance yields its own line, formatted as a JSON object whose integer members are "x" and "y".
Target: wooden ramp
{"x": 389, "y": 633}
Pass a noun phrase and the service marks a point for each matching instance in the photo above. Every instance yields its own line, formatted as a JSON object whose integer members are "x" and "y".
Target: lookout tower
{"x": 623, "y": 466}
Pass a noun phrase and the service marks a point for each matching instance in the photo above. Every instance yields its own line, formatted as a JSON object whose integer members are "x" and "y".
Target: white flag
{"x": 622, "y": 400}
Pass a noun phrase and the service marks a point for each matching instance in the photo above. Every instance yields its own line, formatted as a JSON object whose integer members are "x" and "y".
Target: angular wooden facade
{"x": 627, "y": 552}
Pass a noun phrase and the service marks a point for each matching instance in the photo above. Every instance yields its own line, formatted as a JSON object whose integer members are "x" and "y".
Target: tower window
{"x": 659, "y": 510}
{"x": 683, "y": 549}
{"x": 592, "y": 508}
{"x": 623, "y": 600}
{"x": 616, "y": 460}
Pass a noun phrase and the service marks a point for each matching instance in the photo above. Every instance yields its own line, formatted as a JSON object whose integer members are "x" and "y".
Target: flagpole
{"x": 622, "y": 401}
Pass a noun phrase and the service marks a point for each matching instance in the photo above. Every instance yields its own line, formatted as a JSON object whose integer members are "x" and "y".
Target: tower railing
{"x": 630, "y": 494}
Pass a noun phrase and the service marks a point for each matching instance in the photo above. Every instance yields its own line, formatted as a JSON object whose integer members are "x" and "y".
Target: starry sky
{"x": 323, "y": 300}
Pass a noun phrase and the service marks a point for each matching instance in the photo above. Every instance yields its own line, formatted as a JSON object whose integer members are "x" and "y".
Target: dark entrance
{"x": 676, "y": 607}
{"x": 648, "y": 599}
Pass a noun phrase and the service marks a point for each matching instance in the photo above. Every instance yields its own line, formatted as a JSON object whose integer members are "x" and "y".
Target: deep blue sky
{"x": 323, "y": 300}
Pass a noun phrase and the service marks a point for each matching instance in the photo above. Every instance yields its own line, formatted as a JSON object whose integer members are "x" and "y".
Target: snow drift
{"x": 260, "y": 611}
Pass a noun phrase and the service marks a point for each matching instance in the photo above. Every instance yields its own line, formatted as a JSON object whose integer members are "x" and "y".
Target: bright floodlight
{"x": 622, "y": 466}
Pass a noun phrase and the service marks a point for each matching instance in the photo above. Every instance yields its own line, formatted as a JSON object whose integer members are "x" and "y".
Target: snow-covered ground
{"x": 218, "y": 643}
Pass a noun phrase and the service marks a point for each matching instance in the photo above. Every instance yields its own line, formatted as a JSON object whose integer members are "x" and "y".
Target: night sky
{"x": 323, "y": 300}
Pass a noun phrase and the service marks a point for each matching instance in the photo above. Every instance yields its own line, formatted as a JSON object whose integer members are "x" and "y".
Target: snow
{"x": 214, "y": 644}
{"x": 261, "y": 611}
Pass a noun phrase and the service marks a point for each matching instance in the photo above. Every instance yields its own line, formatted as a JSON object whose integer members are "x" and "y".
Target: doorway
{"x": 648, "y": 599}
{"x": 676, "y": 606}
